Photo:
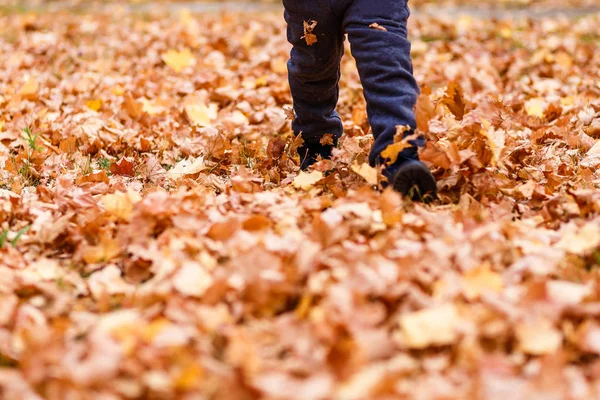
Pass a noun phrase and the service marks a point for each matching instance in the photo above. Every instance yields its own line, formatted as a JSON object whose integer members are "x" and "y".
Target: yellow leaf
{"x": 536, "y": 107}
{"x": 105, "y": 251}
{"x": 481, "y": 280}
{"x": 506, "y": 33}
{"x": 178, "y": 60}
{"x": 201, "y": 114}
{"x": 567, "y": 101}
{"x": 367, "y": 172}
{"x": 306, "y": 181}
{"x": 154, "y": 106}
{"x": 538, "y": 338}
{"x": 564, "y": 60}
{"x": 152, "y": 330}
{"x": 185, "y": 167}
{"x": 120, "y": 204}
{"x": 581, "y": 241}
{"x": 432, "y": 327}
{"x": 304, "y": 306}
{"x": 29, "y": 89}
{"x": 393, "y": 150}
{"x": 190, "y": 377}
{"x": 94, "y": 105}
{"x": 262, "y": 81}
{"x": 192, "y": 279}
{"x": 118, "y": 90}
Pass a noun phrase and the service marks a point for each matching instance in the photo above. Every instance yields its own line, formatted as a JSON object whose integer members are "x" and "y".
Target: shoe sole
{"x": 414, "y": 180}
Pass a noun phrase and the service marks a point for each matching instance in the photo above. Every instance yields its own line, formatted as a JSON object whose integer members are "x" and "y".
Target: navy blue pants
{"x": 382, "y": 54}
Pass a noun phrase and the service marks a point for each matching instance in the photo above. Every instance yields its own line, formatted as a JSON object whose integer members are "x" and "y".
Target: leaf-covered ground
{"x": 158, "y": 242}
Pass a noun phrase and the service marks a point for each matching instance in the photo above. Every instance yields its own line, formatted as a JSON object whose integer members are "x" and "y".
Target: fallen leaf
{"x": 94, "y": 105}
{"x": 134, "y": 108}
{"x": 538, "y": 338}
{"x": 567, "y": 293}
{"x": 30, "y": 89}
{"x": 120, "y": 204}
{"x": 581, "y": 241}
{"x": 481, "y": 280}
{"x": 536, "y": 107}
{"x": 105, "y": 251}
{"x": 178, "y": 60}
{"x": 189, "y": 166}
{"x": 123, "y": 167}
{"x": 454, "y": 100}
{"x": 367, "y": 172}
{"x": 200, "y": 114}
{"x": 431, "y": 327}
{"x": 306, "y": 181}
{"x": 192, "y": 279}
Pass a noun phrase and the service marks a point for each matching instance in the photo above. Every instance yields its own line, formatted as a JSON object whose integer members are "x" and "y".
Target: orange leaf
{"x": 106, "y": 250}
{"x": 455, "y": 100}
{"x": 123, "y": 167}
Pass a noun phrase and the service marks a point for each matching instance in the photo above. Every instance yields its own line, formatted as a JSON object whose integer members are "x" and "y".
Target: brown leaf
{"x": 309, "y": 36}
{"x": 431, "y": 327}
{"x": 454, "y": 100}
{"x": 123, "y": 167}
{"x": 424, "y": 109}
{"x": 378, "y": 27}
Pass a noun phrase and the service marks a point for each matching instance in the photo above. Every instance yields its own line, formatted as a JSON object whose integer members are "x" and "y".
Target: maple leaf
{"x": 424, "y": 109}
{"x": 538, "y": 337}
{"x": 192, "y": 280}
{"x": 431, "y": 327}
{"x": 123, "y": 167}
{"x": 368, "y": 173}
{"x": 392, "y": 152}
{"x": 454, "y": 100}
{"x": 189, "y": 166}
{"x": 178, "y": 60}
{"x": 134, "y": 108}
{"x": 201, "y": 114}
{"x": 289, "y": 113}
{"x": 581, "y": 241}
{"x": 104, "y": 251}
{"x": 94, "y": 105}
{"x": 481, "y": 280}
{"x": 120, "y": 204}
{"x": 306, "y": 181}
{"x": 30, "y": 89}
{"x": 536, "y": 108}
{"x": 309, "y": 36}
{"x": 326, "y": 140}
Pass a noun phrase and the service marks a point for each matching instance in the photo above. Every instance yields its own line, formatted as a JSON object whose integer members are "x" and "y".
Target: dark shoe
{"x": 310, "y": 152}
{"x": 414, "y": 180}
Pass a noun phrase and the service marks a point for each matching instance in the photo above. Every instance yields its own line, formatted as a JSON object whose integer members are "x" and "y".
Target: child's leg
{"x": 314, "y": 72}
{"x": 383, "y": 58}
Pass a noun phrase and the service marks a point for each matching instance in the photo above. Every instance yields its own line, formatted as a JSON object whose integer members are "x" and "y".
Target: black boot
{"x": 309, "y": 152}
{"x": 414, "y": 180}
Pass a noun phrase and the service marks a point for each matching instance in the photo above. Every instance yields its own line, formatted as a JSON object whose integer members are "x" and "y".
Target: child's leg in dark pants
{"x": 314, "y": 73}
{"x": 385, "y": 67}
